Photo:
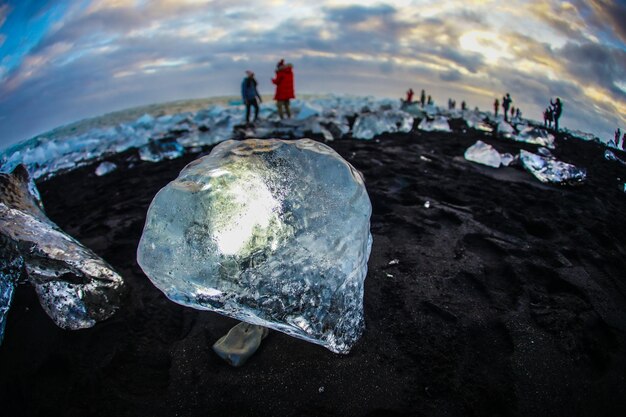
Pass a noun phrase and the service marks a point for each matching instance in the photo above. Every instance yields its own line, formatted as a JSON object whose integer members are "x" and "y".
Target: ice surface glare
{"x": 270, "y": 232}
{"x": 482, "y": 153}
{"x": 104, "y": 168}
{"x": 253, "y": 207}
{"x": 547, "y": 169}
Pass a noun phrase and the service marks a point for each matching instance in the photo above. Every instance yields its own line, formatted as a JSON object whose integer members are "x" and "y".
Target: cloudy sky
{"x": 61, "y": 61}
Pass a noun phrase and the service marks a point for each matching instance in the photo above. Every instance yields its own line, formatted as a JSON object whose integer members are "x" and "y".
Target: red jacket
{"x": 284, "y": 83}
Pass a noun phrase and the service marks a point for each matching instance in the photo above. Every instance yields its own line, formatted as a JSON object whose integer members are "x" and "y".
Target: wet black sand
{"x": 509, "y": 299}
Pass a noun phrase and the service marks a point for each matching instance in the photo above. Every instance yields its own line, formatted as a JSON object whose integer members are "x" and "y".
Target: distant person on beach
{"x": 518, "y": 113}
{"x": 409, "y": 96}
{"x": 506, "y": 103}
{"x": 284, "y": 88}
{"x": 618, "y": 134}
{"x": 512, "y": 112}
{"x": 496, "y": 106}
{"x": 624, "y": 142}
{"x": 463, "y": 105}
{"x": 423, "y": 98}
{"x": 430, "y": 100}
{"x": 249, "y": 94}
{"x": 557, "y": 108}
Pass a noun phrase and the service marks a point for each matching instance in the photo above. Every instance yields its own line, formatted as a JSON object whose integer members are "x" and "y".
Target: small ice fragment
{"x": 158, "y": 151}
{"x": 545, "y": 152}
{"x": 369, "y": 125}
{"x": 482, "y": 153}
{"x": 423, "y": 158}
{"x": 388, "y": 275}
{"x": 427, "y": 204}
{"x": 507, "y": 159}
{"x": 320, "y": 390}
{"x": 394, "y": 262}
{"x": 105, "y": 168}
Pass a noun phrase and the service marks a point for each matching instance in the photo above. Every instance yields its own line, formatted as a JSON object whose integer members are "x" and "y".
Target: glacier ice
{"x": 368, "y": 125}
{"x": 507, "y": 159}
{"x": 104, "y": 168}
{"x": 610, "y": 156}
{"x": 76, "y": 288}
{"x": 439, "y": 124}
{"x": 158, "y": 151}
{"x": 505, "y": 129}
{"x": 547, "y": 169}
{"x": 476, "y": 121}
{"x": 271, "y": 232}
{"x": 11, "y": 267}
{"x": 534, "y": 135}
{"x": 483, "y": 153}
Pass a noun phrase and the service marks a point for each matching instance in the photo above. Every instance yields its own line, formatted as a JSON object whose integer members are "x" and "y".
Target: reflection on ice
{"x": 547, "y": 169}
{"x": 483, "y": 153}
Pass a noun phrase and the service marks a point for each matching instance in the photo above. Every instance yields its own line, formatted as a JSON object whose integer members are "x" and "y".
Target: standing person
{"x": 618, "y": 134}
{"x": 429, "y": 101}
{"x": 506, "y": 103}
{"x": 550, "y": 117}
{"x": 423, "y": 98}
{"x": 249, "y": 94}
{"x": 496, "y": 106}
{"x": 409, "y": 96}
{"x": 624, "y": 142}
{"x": 557, "y": 108}
{"x": 512, "y": 112}
{"x": 518, "y": 113}
{"x": 463, "y": 105}
{"x": 284, "y": 88}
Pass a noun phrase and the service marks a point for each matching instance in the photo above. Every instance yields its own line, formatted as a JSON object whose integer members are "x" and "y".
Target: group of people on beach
{"x": 552, "y": 114}
{"x": 507, "y": 108}
{"x": 285, "y": 91}
{"x": 423, "y": 100}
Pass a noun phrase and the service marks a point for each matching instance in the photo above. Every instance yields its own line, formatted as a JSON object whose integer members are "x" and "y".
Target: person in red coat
{"x": 284, "y": 88}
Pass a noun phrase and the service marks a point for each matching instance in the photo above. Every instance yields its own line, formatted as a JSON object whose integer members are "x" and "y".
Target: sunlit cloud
{"x": 95, "y": 56}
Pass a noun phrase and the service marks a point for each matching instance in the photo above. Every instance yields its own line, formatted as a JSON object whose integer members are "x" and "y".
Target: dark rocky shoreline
{"x": 509, "y": 298}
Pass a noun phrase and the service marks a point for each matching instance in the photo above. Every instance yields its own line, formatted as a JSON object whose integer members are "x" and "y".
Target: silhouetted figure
{"x": 518, "y": 113}
{"x": 423, "y": 98}
{"x": 463, "y": 105}
{"x": 557, "y": 109}
{"x": 249, "y": 94}
{"x": 430, "y": 100}
{"x": 506, "y": 103}
{"x": 284, "y": 88}
{"x": 409, "y": 96}
{"x": 624, "y": 142}
{"x": 449, "y": 104}
{"x": 453, "y": 104}
{"x": 496, "y": 106}
{"x": 512, "y": 112}
{"x": 618, "y": 135}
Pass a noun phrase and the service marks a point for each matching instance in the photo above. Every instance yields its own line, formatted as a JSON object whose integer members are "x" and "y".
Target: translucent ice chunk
{"x": 158, "y": 151}
{"x": 610, "y": 156}
{"x": 534, "y": 135}
{"x": 439, "y": 124}
{"x": 507, "y": 159}
{"x": 307, "y": 110}
{"x": 105, "y": 168}
{"x": 369, "y": 125}
{"x": 476, "y": 121}
{"x": 76, "y": 288}
{"x": 551, "y": 170}
{"x": 505, "y": 129}
{"x": 483, "y": 153}
{"x": 270, "y": 232}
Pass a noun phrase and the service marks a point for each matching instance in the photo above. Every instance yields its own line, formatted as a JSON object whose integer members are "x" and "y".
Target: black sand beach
{"x": 509, "y": 299}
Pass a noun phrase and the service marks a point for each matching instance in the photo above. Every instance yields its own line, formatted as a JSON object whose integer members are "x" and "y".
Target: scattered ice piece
{"x": 369, "y": 125}
{"x": 394, "y": 262}
{"x": 610, "y": 156}
{"x": 438, "y": 124}
{"x": 105, "y": 168}
{"x": 308, "y": 110}
{"x": 423, "y": 158}
{"x": 507, "y": 159}
{"x": 476, "y": 121}
{"x": 388, "y": 275}
{"x": 320, "y": 390}
{"x": 244, "y": 233}
{"x": 534, "y": 135}
{"x": 551, "y": 170}
{"x": 158, "y": 151}
{"x": 427, "y": 204}
{"x": 545, "y": 152}
{"x": 483, "y": 153}
{"x": 146, "y": 121}
{"x": 76, "y": 288}
{"x": 505, "y": 129}
{"x": 240, "y": 343}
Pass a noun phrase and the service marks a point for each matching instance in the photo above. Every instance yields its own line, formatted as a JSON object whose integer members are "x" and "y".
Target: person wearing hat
{"x": 249, "y": 94}
{"x": 284, "y": 88}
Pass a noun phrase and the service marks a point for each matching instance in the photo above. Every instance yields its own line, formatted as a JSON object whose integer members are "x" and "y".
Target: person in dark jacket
{"x": 506, "y": 103}
{"x": 423, "y": 98}
{"x": 284, "y": 88}
{"x": 496, "y": 106}
{"x": 557, "y": 108}
{"x": 249, "y": 94}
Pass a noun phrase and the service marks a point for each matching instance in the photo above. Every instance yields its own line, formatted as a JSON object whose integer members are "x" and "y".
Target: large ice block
{"x": 437, "y": 124}
{"x": 76, "y": 288}
{"x": 547, "y": 169}
{"x": 270, "y": 232}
